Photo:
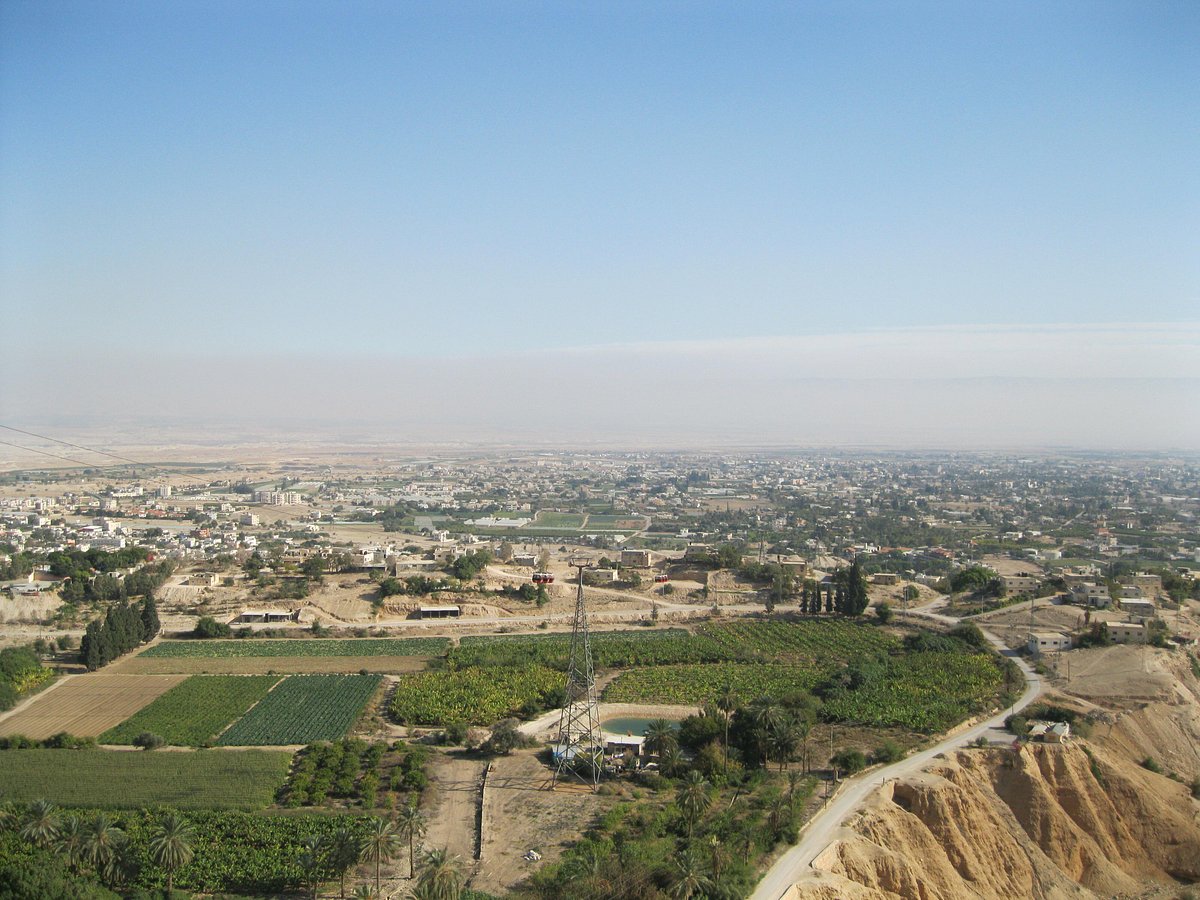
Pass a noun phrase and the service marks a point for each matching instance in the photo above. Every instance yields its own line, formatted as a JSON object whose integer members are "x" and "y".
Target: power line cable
{"x": 45, "y": 453}
{"x": 125, "y": 459}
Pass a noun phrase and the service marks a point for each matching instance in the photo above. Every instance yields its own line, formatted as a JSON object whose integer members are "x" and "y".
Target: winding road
{"x": 820, "y": 831}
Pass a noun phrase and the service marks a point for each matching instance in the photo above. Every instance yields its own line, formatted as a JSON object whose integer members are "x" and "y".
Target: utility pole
{"x": 580, "y": 742}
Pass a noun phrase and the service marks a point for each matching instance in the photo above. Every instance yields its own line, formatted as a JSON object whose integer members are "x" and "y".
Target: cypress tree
{"x": 89, "y": 647}
{"x": 150, "y": 621}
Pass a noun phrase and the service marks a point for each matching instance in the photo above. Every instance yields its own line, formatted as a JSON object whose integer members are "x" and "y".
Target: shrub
{"x": 1150, "y": 764}
{"x": 208, "y": 627}
{"x": 887, "y": 752}
{"x": 148, "y": 741}
{"x": 455, "y": 733}
{"x": 850, "y": 761}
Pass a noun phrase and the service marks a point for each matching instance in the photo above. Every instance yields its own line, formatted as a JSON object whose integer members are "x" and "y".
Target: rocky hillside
{"x": 1081, "y": 820}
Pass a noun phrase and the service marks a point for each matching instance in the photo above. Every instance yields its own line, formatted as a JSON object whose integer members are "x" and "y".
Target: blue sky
{"x": 456, "y": 182}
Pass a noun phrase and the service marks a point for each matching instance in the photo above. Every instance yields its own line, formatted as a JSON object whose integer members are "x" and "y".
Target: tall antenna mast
{"x": 580, "y": 746}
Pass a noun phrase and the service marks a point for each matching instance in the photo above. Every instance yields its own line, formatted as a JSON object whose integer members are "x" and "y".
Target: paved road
{"x": 820, "y": 830}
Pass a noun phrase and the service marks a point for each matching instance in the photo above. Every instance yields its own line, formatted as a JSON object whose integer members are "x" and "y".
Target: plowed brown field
{"x": 86, "y": 705}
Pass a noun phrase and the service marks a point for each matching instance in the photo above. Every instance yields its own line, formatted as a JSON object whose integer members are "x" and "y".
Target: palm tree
{"x": 764, "y": 715}
{"x": 365, "y": 892}
{"x": 688, "y": 876}
{"x": 345, "y": 849}
{"x": 670, "y": 761}
{"x": 727, "y": 702}
{"x": 780, "y": 811}
{"x": 783, "y": 739}
{"x": 103, "y": 841}
{"x": 587, "y": 863}
{"x": 693, "y": 798}
{"x": 660, "y": 734}
{"x": 171, "y": 845}
{"x": 716, "y": 855}
{"x": 380, "y": 845}
{"x": 72, "y": 835}
{"x": 441, "y": 879}
{"x": 39, "y": 825}
{"x": 121, "y": 865}
{"x": 411, "y": 824}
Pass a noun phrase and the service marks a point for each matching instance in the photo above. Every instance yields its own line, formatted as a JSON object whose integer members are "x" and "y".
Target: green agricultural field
{"x": 610, "y": 649}
{"x": 563, "y": 520}
{"x": 606, "y": 522}
{"x": 924, "y": 692}
{"x": 206, "y": 779}
{"x": 304, "y": 709}
{"x": 476, "y": 696}
{"x": 696, "y": 684}
{"x": 195, "y": 711}
{"x": 818, "y": 639}
{"x": 253, "y": 647}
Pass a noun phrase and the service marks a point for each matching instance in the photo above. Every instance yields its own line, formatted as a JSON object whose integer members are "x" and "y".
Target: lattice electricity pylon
{"x": 580, "y": 747}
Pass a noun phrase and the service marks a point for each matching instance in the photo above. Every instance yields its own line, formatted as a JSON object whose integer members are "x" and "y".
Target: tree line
{"x": 124, "y": 627}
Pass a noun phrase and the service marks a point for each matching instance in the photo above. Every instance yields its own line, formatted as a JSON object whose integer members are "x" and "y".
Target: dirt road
{"x": 452, "y": 822}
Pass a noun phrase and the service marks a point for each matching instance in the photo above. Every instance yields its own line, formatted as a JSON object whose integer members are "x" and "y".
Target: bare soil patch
{"x": 265, "y": 665}
{"x": 86, "y": 705}
{"x": 454, "y": 799}
{"x": 522, "y": 813}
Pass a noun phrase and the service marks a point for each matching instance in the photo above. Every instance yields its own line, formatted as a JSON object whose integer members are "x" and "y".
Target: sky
{"x": 928, "y": 224}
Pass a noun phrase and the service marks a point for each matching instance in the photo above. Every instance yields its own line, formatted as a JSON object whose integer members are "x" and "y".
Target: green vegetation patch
{"x": 607, "y": 522}
{"x": 304, "y": 709}
{"x": 564, "y": 520}
{"x": 208, "y": 779}
{"x": 696, "y": 684}
{"x": 610, "y": 649}
{"x": 239, "y": 853}
{"x": 252, "y": 647}
{"x": 922, "y": 691}
{"x": 813, "y": 639}
{"x": 195, "y": 710}
{"x": 476, "y": 696}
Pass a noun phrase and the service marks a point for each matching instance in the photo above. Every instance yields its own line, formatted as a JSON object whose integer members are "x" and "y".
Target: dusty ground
{"x": 1004, "y": 565}
{"x": 521, "y": 813}
{"x": 28, "y": 609}
{"x": 453, "y": 804}
{"x": 85, "y": 705}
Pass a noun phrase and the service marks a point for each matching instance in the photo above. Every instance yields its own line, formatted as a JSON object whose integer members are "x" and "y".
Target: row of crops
{"x": 251, "y": 648}
{"x": 304, "y": 709}
{"x": 264, "y": 710}
{"x": 194, "y": 711}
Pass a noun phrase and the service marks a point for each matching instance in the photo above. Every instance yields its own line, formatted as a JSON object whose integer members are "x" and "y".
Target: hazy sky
{"x": 427, "y": 211}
